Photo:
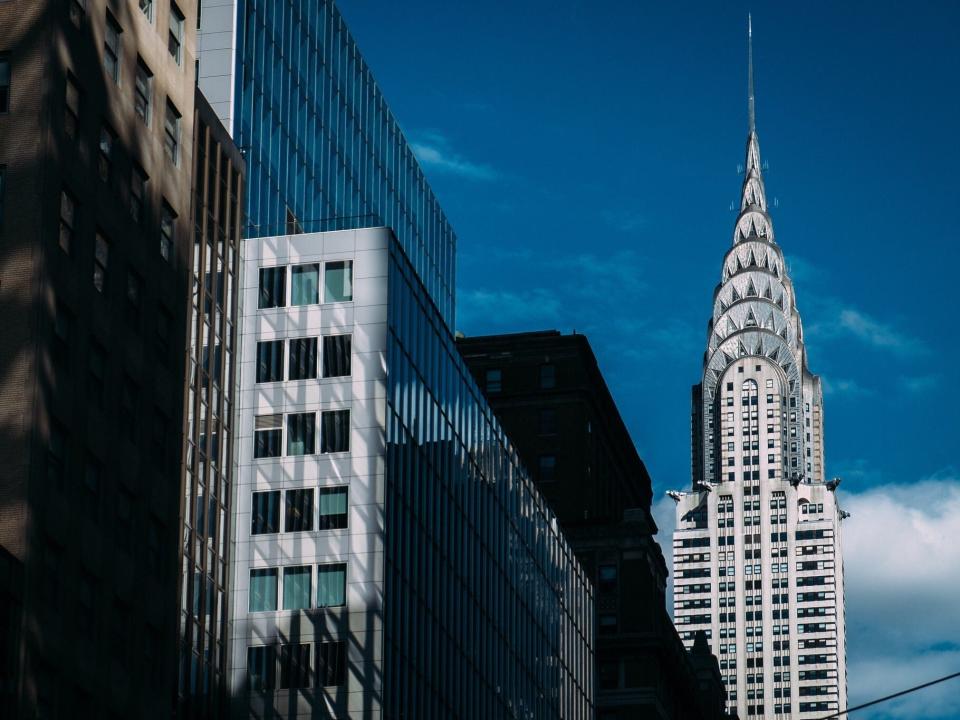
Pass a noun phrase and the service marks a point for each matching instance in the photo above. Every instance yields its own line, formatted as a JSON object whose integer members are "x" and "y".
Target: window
{"x": 105, "y": 158}
{"x": 263, "y": 590}
{"x": 331, "y": 585}
{"x": 134, "y": 298}
{"x": 304, "y": 284}
{"x": 101, "y": 257}
{"x": 78, "y": 11}
{"x": 607, "y": 578}
{"x": 334, "y": 431}
{"x": 3, "y": 190}
{"x": 171, "y": 133}
{"x": 303, "y": 358}
{"x": 146, "y": 7}
{"x": 167, "y": 216}
{"x": 548, "y": 421}
{"x": 262, "y": 668}
{"x": 71, "y": 113}
{"x": 143, "y": 92}
{"x": 336, "y": 355}
{"x": 331, "y": 663}
{"x": 56, "y": 454}
{"x": 138, "y": 193}
{"x": 295, "y": 665}
{"x": 301, "y": 433}
{"x": 68, "y": 212}
{"x": 338, "y": 281}
{"x": 548, "y": 377}
{"x": 608, "y": 623}
{"x": 494, "y": 380}
{"x": 272, "y": 287}
{"x": 111, "y": 49}
{"x": 265, "y": 513}
{"x": 270, "y": 361}
{"x": 174, "y": 44}
{"x": 298, "y": 511}
{"x": 296, "y": 587}
{"x": 267, "y": 435}
{"x": 333, "y": 508}
{"x": 548, "y": 467}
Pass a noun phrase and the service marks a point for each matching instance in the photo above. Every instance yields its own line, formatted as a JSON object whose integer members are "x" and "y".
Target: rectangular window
{"x": 167, "y": 216}
{"x": 304, "y": 284}
{"x": 270, "y": 361}
{"x": 301, "y": 433}
{"x": 331, "y": 664}
{"x": 171, "y": 133}
{"x": 261, "y": 668}
{"x": 146, "y": 7}
{"x": 78, "y": 11}
{"x": 108, "y": 139}
{"x": 296, "y": 587}
{"x": 333, "y": 508}
{"x": 336, "y": 355}
{"x": 331, "y": 585}
{"x": 335, "y": 431}
{"x": 494, "y": 380}
{"x": 295, "y": 666}
{"x": 265, "y": 513}
{"x": 175, "y": 43}
{"x": 68, "y": 218}
{"x": 138, "y": 193}
{"x": 548, "y": 467}
{"x": 263, "y": 590}
{"x": 548, "y": 421}
{"x": 338, "y": 281}
{"x": 548, "y": 377}
{"x": 143, "y": 92}
{"x": 134, "y": 299}
{"x": 111, "y": 49}
{"x": 71, "y": 113}
{"x": 272, "y": 287}
{"x": 101, "y": 258}
{"x": 303, "y": 359}
{"x": 267, "y": 435}
{"x": 298, "y": 511}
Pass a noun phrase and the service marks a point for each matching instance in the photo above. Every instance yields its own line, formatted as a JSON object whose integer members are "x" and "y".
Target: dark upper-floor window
{"x": 167, "y": 216}
{"x": 134, "y": 299}
{"x": 494, "y": 380}
{"x": 303, "y": 358}
{"x": 111, "y": 48}
{"x": 4, "y": 82}
{"x": 548, "y": 421}
{"x": 333, "y": 508}
{"x": 262, "y": 667}
{"x": 71, "y": 113}
{"x": 171, "y": 132}
{"x": 101, "y": 259}
{"x": 335, "y": 431}
{"x": 265, "y": 513}
{"x": 138, "y": 193}
{"x": 175, "y": 42}
{"x": 270, "y": 361}
{"x": 548, "y": 468}
{"x": 78, "y": 11}
{"x": 272, "y": 287}
{"x": 548, "y": 376}
{"x": 301, "y": 433}
{"x": 331, "y": 664}
{"x": 298, "y": 510}
{"x": 108, "y": 139}
{"x": 146, "y": 7}
{"x": 143, "y": 92}
{"x": 336, "y": 355}
{"x": 607, "y": 578}
{"x": 267, "y": 435}
{"x": 295, "y": 665}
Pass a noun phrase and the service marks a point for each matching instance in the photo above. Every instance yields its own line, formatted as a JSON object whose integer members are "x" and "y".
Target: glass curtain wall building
{"x": 323, "y": 150}
{"x": 392, "y": 557}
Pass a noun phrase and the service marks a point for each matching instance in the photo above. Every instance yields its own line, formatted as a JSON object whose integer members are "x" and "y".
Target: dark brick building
{"x": 96, "y": 255}
{"x": 552, "y": 400}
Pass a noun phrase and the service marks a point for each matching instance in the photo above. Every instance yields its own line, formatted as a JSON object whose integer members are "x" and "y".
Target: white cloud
{"x": 839, "y": 386}
{"x": 434, "y": 151}
{"x": 503, "y": 310}
{"x": 919, "y": 383}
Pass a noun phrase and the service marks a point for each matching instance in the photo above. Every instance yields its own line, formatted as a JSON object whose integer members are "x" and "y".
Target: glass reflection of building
{"x": 392, "y": 558}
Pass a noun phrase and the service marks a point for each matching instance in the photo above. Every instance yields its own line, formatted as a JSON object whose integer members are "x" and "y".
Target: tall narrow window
{"x": 303, "y": 359}
{"x": 295, "y": 666}
{"x": 171, "y": 133}
{"x": 175, "y": 43}
{"x": 494, "y": 380}
{"x": 146, "y": 7}
{"x": 304, "y": 280}
{"x": 270, "y": 361}
{"x": 138, "y": 193}
{"x": 134, "y": 299}
{"x": 272, "y": 287}
{"x": 78, "y": 11}
{"x": 548, "y": 468}
{"x": 301, "y": 431}
{"x": 62, "y": 330}
{"x": 262, "y": 668}
{"x": 108, "y": 139}
{"x": 143, "y": 92}
{"x": 101, "y": 258}
{"x": 71, "y": 113}
{"x": 263, "y": 590}
{"x": 56, "y": 454}
{"x": 265, "y": 513}
{"x": 296, "y": 587}
{"x": 167, "y": 217}
{"x": 336, "y": 355}
{"x": 331, "y": 585}
{"x": 338, "y": 281}
{"x": 267, "y": 433}
{"x": 298, "y": 511}
{"x": 333, "y": 508}
{"x": 68, "y": 212}
{"x": 548, "y": 377}
{"x": 331, "y": 663}
{"x": 3, "y": 190}
{"x": 4, "y": 83}
{"x": 111, "y": 49}
{"x": 335, "y": 430}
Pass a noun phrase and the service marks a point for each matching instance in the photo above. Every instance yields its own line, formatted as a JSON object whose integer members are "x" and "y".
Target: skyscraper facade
{"x": 393, "y": 559}
{"x": 757, "y": 553}
{"x": 323, "y": 150}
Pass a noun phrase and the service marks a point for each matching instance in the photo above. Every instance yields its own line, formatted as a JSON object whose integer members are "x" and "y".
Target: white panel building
{"x": 757, "y": 561}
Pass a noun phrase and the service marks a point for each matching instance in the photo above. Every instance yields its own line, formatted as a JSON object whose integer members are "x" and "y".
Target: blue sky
{"x": 587, "y": 153}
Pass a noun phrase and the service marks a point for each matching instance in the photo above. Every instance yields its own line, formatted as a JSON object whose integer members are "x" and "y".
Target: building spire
{"x": 750, "y": 103}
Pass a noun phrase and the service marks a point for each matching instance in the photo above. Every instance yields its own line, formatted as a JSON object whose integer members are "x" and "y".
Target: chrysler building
{"x": 757, "y": 561}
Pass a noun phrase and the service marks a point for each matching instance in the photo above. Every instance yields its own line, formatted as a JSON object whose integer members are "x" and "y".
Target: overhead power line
{"x": 891, "y": 697}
